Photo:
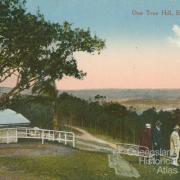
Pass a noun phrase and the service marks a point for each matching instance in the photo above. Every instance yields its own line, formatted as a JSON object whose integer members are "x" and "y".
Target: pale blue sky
{"x": 111, "y": 19}
{"x": 141, "y": 52}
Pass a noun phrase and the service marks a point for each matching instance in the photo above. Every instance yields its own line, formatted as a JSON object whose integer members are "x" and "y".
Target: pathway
{"x": 87, "y": 141}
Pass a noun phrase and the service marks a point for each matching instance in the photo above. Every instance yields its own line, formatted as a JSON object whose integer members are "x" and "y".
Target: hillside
{"x": 140, "y": 99}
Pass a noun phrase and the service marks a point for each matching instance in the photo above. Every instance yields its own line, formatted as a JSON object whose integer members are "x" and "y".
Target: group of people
{"x": 152, "y": 140}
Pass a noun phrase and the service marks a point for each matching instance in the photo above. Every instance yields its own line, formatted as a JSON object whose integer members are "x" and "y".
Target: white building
{"x": 9, "y": 120}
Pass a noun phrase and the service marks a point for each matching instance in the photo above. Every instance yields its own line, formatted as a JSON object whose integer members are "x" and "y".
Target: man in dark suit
{"x": 157, "y": 141}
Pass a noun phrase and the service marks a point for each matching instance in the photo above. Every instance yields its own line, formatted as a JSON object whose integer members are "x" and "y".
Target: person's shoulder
{"x": 174, "y": 133}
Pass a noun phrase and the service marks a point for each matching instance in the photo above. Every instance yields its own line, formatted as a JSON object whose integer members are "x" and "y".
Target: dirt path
{"x": 86, "y": 136}
{"x": 84, "y": 141}
{"x": 122, "y": 167}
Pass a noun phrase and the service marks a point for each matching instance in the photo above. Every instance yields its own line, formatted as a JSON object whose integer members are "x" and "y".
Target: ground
{"x": 66, "y": 164}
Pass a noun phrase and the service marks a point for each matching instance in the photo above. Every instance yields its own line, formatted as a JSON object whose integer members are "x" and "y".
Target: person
{"x": 157, "y": 140}
{"x": 146, "y": 138}
{"x": 175, "y": 145}
{"x": 145, "y": 143}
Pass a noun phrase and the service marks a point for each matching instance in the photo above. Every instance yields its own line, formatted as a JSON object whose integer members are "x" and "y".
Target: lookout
{"x": 14, "y": 126}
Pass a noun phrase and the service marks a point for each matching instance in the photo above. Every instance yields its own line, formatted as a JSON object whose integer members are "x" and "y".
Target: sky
{"x": 142, "y": 51}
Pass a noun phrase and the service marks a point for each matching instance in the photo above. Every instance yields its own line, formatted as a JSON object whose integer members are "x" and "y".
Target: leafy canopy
{"x": 37, "y": 50}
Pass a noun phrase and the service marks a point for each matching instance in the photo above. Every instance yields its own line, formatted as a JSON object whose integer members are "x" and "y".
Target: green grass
{"x": 77, "y": 166}
{"x": 154, "y": 172}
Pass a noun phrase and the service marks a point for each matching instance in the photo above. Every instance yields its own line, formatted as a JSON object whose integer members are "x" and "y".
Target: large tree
{"x": 46, "y": 91}
{"x": 35, "y": 50}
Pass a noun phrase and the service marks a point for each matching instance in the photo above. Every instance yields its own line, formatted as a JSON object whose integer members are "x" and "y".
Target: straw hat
{"x": 148, "y": 125}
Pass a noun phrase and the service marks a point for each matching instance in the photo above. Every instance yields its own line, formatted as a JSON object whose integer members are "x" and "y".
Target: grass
{"x": 154, "y": 172}
{"x": 80, "y": 165}
{"x": 77, "y": 166}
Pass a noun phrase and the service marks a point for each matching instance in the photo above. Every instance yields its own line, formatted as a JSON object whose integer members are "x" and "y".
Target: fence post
{"x": 7, "y": 136}
{"x": 53, "y": 136}
{"x": 59, "y": 137}
{"x": 65, "y": 138}
{"x": 42, "y": 135}
{"x": 16, "y": 136}
{"x": 49, "y": 135}
{"x": 73, "y": 140}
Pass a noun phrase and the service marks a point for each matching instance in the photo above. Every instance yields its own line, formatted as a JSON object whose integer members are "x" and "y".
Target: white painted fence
{"x": 8, "y": 135}
{"x": 133, "y": 150}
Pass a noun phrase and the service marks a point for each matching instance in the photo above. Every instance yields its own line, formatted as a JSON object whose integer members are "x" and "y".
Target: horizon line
{"x": 81, "y": 89}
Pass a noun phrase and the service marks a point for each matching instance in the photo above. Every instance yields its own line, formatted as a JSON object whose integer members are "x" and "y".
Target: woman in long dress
{"x": 146, "y": 140}
{"x": 175, "y": 145}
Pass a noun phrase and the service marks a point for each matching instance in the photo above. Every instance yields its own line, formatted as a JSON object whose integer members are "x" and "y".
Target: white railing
{"x": 133, "y": 150}
{"x": 8, "y": 135}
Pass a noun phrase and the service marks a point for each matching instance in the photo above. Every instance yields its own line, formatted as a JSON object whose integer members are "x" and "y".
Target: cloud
{"x": 176, "y": 39}
{"x": 176, "y": 30}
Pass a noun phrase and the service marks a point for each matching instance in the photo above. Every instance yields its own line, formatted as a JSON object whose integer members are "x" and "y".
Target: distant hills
{"x": 7, "y": 89}
{"x": 119, "y": 94}
{"x": 129, "y": 94}
{"x": 141, "y": 99}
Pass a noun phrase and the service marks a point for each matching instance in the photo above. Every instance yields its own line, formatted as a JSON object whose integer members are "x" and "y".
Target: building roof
{"x": 10, "y": 117}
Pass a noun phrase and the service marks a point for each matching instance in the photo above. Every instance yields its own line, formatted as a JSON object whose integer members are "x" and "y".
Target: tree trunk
{"x": 55, "y": 121}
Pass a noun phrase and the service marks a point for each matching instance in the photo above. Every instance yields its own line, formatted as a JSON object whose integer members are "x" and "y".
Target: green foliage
{"x": 38, "y": 110}
{"x": 108, "y": 118}
{"x": 99, "y": 97}
{"x": 46, "y": 88}
{"x": 37, "y": 50}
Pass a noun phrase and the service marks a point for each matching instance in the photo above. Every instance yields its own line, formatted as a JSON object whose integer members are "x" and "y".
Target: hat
{"x": 158, "y": 123}
{"x": 148, "y": 125}
{"x": 177, "y": 127}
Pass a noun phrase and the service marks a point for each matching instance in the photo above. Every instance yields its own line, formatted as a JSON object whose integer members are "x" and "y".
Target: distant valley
{"x": 140, "y": 99}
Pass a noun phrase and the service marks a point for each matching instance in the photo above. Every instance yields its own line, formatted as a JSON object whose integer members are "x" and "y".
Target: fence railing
{"x": 8, "y": 135}
{"x": 133, "y": 150}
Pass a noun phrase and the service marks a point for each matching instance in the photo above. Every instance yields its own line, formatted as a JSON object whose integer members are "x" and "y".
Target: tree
{"x": 36, "y": 50}
{"x": 47, "y": 90}
{"x": 99, "y": 98}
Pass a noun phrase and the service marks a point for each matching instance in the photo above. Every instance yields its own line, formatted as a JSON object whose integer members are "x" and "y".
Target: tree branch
{"x": 3, "y": 79}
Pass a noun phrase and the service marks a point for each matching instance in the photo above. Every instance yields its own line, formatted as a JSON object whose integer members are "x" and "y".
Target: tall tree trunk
{"x": 55, "y": 121}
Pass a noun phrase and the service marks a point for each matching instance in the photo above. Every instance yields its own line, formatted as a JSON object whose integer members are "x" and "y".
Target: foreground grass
{"x": 154, "y": 172}
{"x": 79, "y": 165}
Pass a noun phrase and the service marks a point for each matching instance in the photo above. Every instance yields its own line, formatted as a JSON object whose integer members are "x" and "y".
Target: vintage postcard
{"x": 89, "y": 89}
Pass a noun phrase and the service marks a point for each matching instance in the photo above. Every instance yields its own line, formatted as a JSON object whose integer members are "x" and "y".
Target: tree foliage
{"x": 106, "y": 118}
{"x": 34, "y": 50}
